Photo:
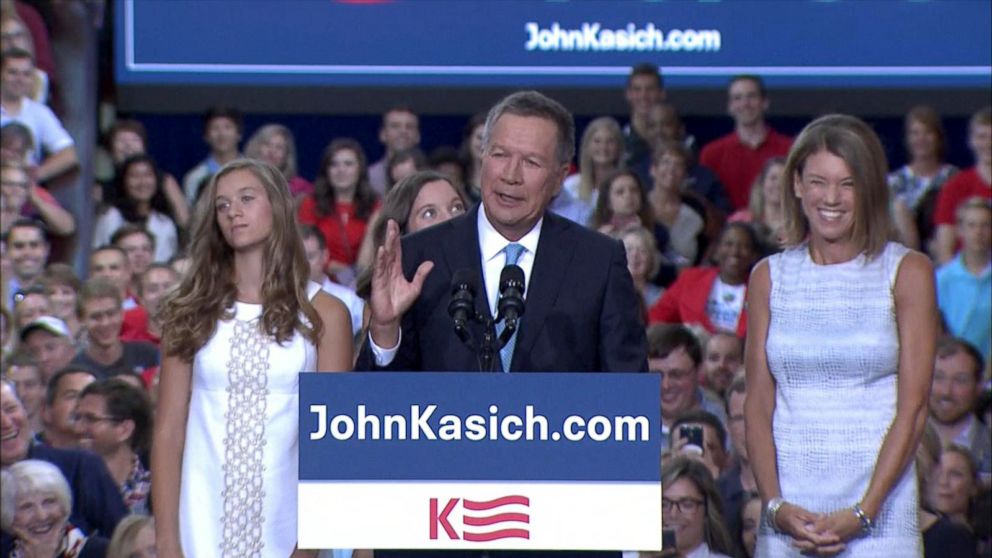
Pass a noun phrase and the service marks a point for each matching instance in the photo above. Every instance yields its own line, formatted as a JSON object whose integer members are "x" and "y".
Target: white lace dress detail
{"x": 240, "y": 462}
{"x": 833, "y": 349}
{"x": 243, "y": 492}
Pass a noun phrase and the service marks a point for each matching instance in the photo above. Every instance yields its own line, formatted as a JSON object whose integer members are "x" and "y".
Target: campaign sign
{"x": 480, "y": 461}
{"x": 561, "y": 43}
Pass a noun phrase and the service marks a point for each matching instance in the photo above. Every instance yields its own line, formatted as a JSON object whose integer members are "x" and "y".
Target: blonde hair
{"x": 650, "y": 245}
{"x": 853, "y": 141}
{"x": 756, "y": 200}
{"x": 122, "y": 543}
{"x": 982, "y": 117}
{"x": 253, "y": 149}
{"x": 587, "y": 169}
{"x": 207, "y": 293}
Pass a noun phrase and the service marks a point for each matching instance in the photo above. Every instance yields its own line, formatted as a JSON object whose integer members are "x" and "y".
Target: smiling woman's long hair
{"x": 120, "y": 198}
{"x": 207, "y": 294}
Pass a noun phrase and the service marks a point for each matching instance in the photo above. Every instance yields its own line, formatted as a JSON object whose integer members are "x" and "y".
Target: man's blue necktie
{"x": 513, "y": 252}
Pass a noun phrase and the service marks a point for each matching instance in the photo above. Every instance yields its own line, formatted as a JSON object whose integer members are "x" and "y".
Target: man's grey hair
{"x": 533, "y": 103}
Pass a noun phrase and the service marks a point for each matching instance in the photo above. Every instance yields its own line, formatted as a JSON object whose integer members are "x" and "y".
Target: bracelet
{"x": 866, "y": 523}
{"x": 771, "y": 510}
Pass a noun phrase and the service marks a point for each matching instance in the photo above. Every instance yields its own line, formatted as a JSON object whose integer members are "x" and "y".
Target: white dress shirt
{"x": 491, "y": 246}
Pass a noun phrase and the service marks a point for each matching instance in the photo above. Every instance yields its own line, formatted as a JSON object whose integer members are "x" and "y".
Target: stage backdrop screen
{"x": 559, "y": 43}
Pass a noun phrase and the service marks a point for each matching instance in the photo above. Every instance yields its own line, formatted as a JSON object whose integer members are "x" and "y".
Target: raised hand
{"x": 392, "y": 295}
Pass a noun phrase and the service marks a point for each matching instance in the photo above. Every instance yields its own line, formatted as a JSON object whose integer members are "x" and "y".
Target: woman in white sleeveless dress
{"x": 239, "y": 329}
{"x": 842, "y": 331}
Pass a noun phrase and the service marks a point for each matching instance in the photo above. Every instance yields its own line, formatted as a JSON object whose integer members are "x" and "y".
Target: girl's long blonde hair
{"x": 587, "y": 169}
{"x": 207, "y": 293}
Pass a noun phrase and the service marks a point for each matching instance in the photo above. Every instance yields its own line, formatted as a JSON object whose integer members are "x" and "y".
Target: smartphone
{"x": 693, "y": 435}
{"x": 667, "y": 539}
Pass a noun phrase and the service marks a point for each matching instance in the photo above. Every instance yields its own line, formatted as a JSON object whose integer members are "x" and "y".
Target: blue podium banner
{"x": 470, "y": 460}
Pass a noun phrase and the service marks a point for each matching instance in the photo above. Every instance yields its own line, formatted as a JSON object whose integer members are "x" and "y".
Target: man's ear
{"x": 125, "y": 429}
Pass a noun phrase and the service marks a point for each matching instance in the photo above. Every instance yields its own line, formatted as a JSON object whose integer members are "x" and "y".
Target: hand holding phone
{"x": 668, "y": 545}
{"x": 693, "y": 435}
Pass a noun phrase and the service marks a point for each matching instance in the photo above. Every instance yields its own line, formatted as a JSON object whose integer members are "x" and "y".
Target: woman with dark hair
{"x": 713, "y": 296}
{"x": 955, "y": 484}
{"x": 681, "y": 216}
{"x": 341, "y": 205}
{"x": 125, "y": 139}
{"x": 418, "y": 201}
{"x": 750, "y": 520}
{"x": 842, "y": 331}
{"x": 139, "y": 198}
{"x": 402, "y": 164}
{"x": 238, "y": 330}
{"x": 690, "y": 504}
{"x": 621, "y": 204}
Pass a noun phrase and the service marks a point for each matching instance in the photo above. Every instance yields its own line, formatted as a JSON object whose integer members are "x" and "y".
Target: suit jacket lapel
{"x": 554, "y": 253}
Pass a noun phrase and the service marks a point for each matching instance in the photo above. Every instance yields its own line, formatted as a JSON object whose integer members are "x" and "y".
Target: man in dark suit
{"x": 581, "y": 312}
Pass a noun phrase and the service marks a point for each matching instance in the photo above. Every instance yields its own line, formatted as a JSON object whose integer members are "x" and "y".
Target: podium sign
{"x": 480, "y": 461}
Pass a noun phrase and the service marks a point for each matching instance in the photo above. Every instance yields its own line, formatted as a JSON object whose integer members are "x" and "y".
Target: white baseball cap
{"x": 51, "y": 324}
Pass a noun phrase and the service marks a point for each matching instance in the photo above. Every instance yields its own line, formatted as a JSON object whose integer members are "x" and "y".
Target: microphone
{"x": 461, "y": 308}
{"x": 511, "y": 296}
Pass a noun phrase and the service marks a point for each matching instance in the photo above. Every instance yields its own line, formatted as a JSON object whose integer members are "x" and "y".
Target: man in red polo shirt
{"x": 737, "y": 158}
{"x": 974, "y": 182}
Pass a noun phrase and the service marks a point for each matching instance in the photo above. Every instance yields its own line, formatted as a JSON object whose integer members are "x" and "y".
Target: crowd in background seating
{"x": 81, "y": 357}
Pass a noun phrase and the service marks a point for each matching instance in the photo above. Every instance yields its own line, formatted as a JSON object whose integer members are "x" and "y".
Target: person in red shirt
{"x": 713, "y": 297}
{"x": 341, "y": 205}
{"x": 974, "y": 182}
{"x": 737, "y": 157}
{"x": 141, "y": 323}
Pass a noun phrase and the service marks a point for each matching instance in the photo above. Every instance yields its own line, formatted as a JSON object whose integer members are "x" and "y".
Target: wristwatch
{"x": 771, "y": 510}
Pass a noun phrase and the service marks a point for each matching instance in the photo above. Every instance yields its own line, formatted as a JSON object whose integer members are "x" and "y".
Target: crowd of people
{"x": 761, "y": 283}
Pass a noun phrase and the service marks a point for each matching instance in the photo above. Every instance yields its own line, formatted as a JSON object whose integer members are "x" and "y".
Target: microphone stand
{"x": 488, "y": 350}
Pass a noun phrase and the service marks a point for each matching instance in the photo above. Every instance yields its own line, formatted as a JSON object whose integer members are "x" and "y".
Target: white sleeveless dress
{"x": 833, "y": 349}
{"x": 239, "y": 475}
